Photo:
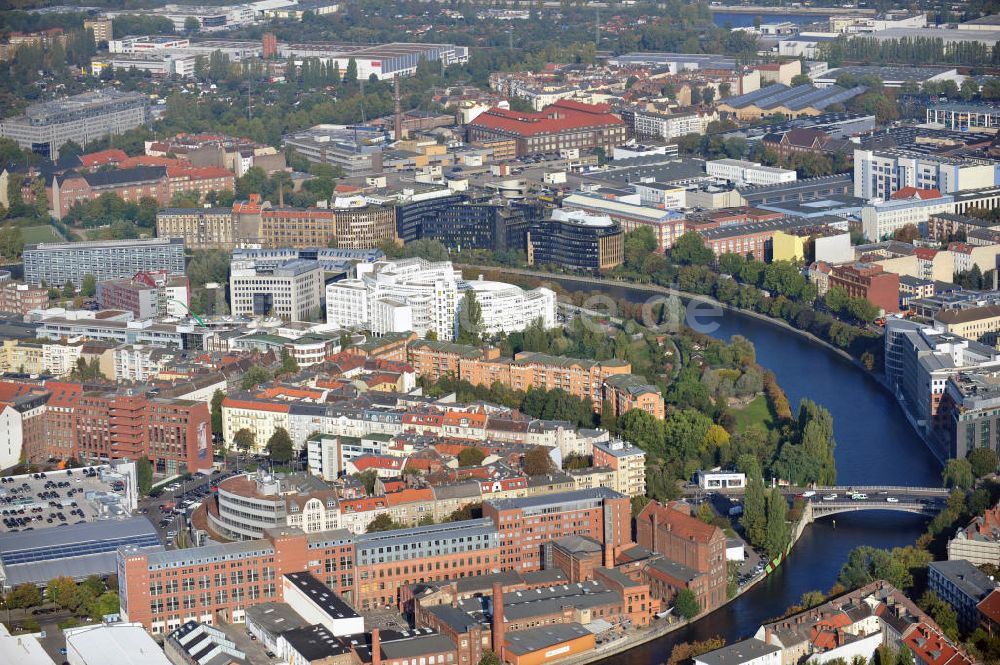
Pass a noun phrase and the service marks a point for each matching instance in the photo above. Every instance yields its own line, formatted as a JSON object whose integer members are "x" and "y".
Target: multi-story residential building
{"x": 147, "y": 295}
{"x": 131, "y": 184}
{"x": 46, "y": 126}
{"x": 672, "y": 125}
{"x": 945, "y": 226}
{"x": 960, "y": 584}
{"x": 248, "y": 505}
{"x": 199, "y": 180}
{"x": 176, "y": 435}
{"x": 980, "y": 322}
{"x": 743, "y": 173}
{"x": 22, "y": 298}
{"x": 628, "y": 463}
{"x": 101, "y": 28}
{"x": 868, "y": 281}
{"x": 525, "y": 525}
{"x": 137, "y": 363}
{"x": 671, "y": 530}
{"x": 878, "y": 174}
{"x": 907, "y": 206}
{"x": 576, "y": 240}
{"x": 506, "y": 308}
{"x": 979, "y": 541}
{"x": 58, "y": 263}
{"x": 351, "y": 222}
{"x": 627, "y": 391}
{"x": 292, "y": 291}
{"x": 667, "y": 225}
{"x": 968, "y": 421}
{"x": 563, "y": 125}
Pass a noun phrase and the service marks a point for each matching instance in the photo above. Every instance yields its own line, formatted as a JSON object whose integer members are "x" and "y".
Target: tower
{"x": 498, "y": 624}
{"x": 398, "y": 111}
{"x": 376, "y": 647}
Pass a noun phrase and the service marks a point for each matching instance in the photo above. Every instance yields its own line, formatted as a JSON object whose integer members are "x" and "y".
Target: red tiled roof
{"x": 149, "y": 160}
{"x": 198, "y": 173}
{"x": 110, "y": 156}
{"x": 989, "y": 606}
{"x": 925, "y": 253}
{"x": 681, "y": 522}
{"x": 911, "y": 192}
{"x": 932, "y": 648}
{"x": 561, "y": 116}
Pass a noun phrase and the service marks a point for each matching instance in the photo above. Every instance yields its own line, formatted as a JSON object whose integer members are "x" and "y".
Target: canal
{"x": 875, "y": 445}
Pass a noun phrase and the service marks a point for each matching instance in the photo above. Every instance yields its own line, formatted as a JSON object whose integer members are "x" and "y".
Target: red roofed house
{"x": 672, "y": 531}
{"x": 989, "y": 612}
{"x": 112, "y": 156}
{"x": 565, "y": 124}
{"x": 383, "y": 465}
{"x": 930, "y": 647}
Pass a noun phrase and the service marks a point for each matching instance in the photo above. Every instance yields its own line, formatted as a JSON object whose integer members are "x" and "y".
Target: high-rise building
{"x": 83, "y": 118}
{"x": 292, "y": 290}
{"x": 200, "y": 228}
{"x": 61, "y": 262}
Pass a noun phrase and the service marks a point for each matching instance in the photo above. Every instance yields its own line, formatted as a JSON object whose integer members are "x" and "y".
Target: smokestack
{"x": 655, "y": 529}
{"x": 498, "y": 625}
{"x": 398, "y": 117}
{"x": 609, "y": 556}
{"x": 281, "y": 195}
{"x": 376, "y": 648}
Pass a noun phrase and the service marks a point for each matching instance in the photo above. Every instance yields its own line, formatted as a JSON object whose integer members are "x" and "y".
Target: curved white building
{"x": 420, "y": 295}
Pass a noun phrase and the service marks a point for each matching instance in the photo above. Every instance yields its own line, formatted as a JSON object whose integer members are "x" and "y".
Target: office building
{"x": 743, "y": 173}
{"x": 667, "y": 225}
{"x": 414, "y": 207}
{"x": 878, "y": 174}
{"x": 418, "y": 295}
{"x": 292, "y": 290}
{"x": 355, "y": 149}
{"x": 383, "y": 60}
{"x": 350, "y": 222}
{"x": 58, "y": 263}
{"x": 83, "y": 118}
{"x": 904, "y": 207}
{"x": 22, "y": 298}
{"x": 671, "y": 126}
{"x": 317, "y": 604}
{"x": 576, "y": 240}
{"x": 563, "y": 125}
{"x": 492, "y": 226}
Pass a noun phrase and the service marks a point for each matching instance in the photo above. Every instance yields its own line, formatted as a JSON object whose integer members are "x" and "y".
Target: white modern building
{"x": 671, "y": 126}
{"x": 878, "y": 174}
{"x": 879, "y": 220}
{"x": 329, "y": 454}
{"x": 661, "y": 195}
{"x": 318, "y": 604}
{"x": 422, "y": 296}
{"x": 293, "y": 290}
{"x": 742, "y": 173}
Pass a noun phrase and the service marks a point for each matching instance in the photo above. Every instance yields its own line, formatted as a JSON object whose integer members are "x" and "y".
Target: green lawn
{"x": 42, "y": 233}
{"x": 757, "y": 412}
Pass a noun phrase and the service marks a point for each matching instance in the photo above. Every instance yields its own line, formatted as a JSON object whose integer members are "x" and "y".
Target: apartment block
{"x": 58, "y": 263}
{"x": 22, "y": 298}
{"x": 878, "y": 174}
{"x": 868, "y": 281}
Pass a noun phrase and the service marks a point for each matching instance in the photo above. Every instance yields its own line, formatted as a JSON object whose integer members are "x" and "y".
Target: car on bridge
{"x": 859, "y": 496}
{"x": 891, "y": 499}
{"x": 830, "y": 497}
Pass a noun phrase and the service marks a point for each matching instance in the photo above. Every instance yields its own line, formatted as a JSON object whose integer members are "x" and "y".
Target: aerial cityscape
{"x": 399, "y": 332}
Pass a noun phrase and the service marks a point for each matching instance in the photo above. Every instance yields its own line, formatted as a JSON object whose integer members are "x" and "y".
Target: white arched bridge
{"x": 826, "y": 501}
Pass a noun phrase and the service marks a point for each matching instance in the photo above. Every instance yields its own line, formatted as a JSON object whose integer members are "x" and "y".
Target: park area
{"x": 40, "y": 233}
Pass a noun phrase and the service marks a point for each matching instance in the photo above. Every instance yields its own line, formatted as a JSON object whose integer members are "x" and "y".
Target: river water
{"x": 741, "y": 20}
{"x": 875, "y": 445}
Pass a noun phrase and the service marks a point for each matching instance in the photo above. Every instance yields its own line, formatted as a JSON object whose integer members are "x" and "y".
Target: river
{"x": 875, "y": 445}
{"x": 741, "y": 20}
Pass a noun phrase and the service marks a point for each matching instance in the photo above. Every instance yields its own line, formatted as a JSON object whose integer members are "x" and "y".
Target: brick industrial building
{"x": 868, "y": 281}
{"x": 565, "y": 124}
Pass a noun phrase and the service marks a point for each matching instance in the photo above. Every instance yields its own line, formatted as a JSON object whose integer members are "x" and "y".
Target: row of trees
{"x": 765, "y": 517}
{"x": 92, "y": 597}
{"x": 279, "y": 445}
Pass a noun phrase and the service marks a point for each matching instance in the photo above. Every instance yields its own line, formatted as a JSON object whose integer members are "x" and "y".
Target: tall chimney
{"x": 609, "y": 556}
{"x": 398, "y": 115}
{"x": 655, "y": 529}
{"x": 498, "y": 625}
{"x": 376, "y": 648}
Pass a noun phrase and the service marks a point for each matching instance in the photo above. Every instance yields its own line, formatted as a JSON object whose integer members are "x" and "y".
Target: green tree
{"x": 686, "y": 604}
{"x": 244, "y": 439}
{"x": 690, "y": 249}
{"x": 69, "y": 289}
{"x": 470, "y": 319}
{"x": 383, "y": 522}
{"x": 471, "y": 457}
{"x": 24, "y": 596}
{"x": 943, "y": 613}
{"x": 537, "y": 461}
{"x": 11, "y": 242}
{"x": 490, "y": 657}
{"x": 144, "y": 475}
{"x": 63, "y": 592}
{"x": 351, "y": 72}
{"x": 106, "y": 603}
{"x": 217, "y": 398}
{"x": 754, "y": 519}
{"x": 777, "y": 533}
{"x": 88, "y": 286}
{"x": 958, "y": 473}
{"x": 191, "y": 25}
{"x": 983, "y": 461}
{"x": 254, "y": 377}
{"x": 279, "y": 446}
{"x": 288, "y": 364}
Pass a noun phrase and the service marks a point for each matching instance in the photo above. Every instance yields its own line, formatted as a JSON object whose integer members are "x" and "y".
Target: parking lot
{"x": 169, "y": 510}
{"x": 70, "y": 496}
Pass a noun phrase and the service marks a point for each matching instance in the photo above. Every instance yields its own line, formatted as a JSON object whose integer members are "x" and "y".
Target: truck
{"x": 858, "y": 496}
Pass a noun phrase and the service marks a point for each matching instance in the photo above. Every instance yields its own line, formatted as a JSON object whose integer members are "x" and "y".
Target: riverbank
{"x": 877, "y": 377}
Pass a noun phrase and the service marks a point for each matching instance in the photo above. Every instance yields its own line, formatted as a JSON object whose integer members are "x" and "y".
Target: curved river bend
{"x": 875, "y": 445}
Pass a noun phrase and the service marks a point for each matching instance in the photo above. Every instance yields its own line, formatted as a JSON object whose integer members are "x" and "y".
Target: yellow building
{"x": 26, "y": 357}
{"x": 788, "y": 247}
{"x": 979, "y": 323}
